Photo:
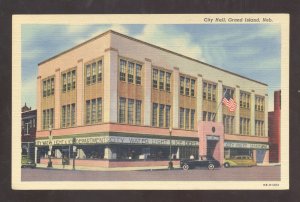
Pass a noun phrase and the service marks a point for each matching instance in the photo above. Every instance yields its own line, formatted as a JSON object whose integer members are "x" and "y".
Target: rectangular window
{"x": 69, "y": 81}
{"x": 88, "y": 112}
{"x": 48, "y": 87}
{"x": 168, "y": 81}
{"x": 44, "y": 88}
{"x": 181, "y": 85}
{"x": 122, "y": 70}
{"x": 64, "y": 81}
{"x": 52, "y": 86}
{"x": 51, "y": 117}
{"x": 122, "y": 108}
{"x": 44, "y": 119}
{"x": 130, "y": 111}
{"x": 68, "y": 116}
{"x": 192, "y": 119}
{"x": 168, "y": 107}
{"x": 73, "y": 115}
{"x": 214, "y": 88}
{"x": 154, "y": 78}
{"x": 138, "y": 74}
{"x": 154, "y": 114}
{"x": 161, "y": 115}
{"x": 187, "y": 86}
{"x": 99, "y": 110}
{"x": 209, "y": 91}
{"x": 63, "y": 117}
{"x": 94, "y": 72}
{"x": 204, "y": 90}
{"x": 187, "y": 119}
{"x": 94, "y": 109}
{"x": 73, "y": 79}
{"x": 161, "y": 80}
{"x": 192, "y": 87}
{"x": 181, "y": 118}
{"x": 88, "y": 74}
{"x": 99, "y": 67}
{"x": 130, "y": 72}
{"x": 138, "y": 108}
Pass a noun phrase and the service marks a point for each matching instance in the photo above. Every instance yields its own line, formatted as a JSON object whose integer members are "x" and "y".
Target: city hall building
{"x": 115, "y": 101}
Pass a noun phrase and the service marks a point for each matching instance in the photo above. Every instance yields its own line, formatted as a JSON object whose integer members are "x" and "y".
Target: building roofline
{"x": 152, "y": 45}
{"x": 29, "y": 111}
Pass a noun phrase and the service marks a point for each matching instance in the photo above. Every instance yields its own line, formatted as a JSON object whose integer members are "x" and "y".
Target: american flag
{"x": 229, "y": 102}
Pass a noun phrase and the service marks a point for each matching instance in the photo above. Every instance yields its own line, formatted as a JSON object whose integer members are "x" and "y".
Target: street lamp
{"x": 50, "y": 148}
{"x": 170, "y": 161}
{"x": 74, "y": 152}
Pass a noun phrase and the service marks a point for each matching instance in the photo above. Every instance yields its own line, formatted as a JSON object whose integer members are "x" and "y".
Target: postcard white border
{"x": 18, "y": 20}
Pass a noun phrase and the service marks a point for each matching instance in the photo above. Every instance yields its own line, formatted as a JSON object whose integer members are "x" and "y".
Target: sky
{"x": 251, "y": 50}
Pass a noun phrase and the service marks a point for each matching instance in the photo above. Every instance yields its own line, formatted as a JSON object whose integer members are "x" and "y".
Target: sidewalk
{"x": 268, "y": 164}
{"x": 70, "y": 167}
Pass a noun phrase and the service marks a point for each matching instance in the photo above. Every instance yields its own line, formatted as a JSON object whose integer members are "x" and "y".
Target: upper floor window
{"x": 133, "y": 71}
{"x": 181, "y": 85}
{"x": 93, "y": 111}
{"x": 130, "y": 111}
{"x": 209, "y": 91}
{"x": 93, "y": 72}
{"x": 244, "y": 100}
{"x": 154, "y": 78}
{"x": 186, "y": 118}
{"x": 99, "y": 67}
{"x": 48, "y": 118}
{"x": 48, "y": 87}
{"x": 68, "y": 115}
{"x": 161, "y": 80}
{"x": 168, "y": 81}
{"x": 192, "y": 87}
{"x": 130, "y": 72}
{"x": 259, "y": 103}
{"x": 187, "y": 86}
{"x": 163, "y": 116}
{"x": 138, "y": 75}
{"x": 69, "y": 80}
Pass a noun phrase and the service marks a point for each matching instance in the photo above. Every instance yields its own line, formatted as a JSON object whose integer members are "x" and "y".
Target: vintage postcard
{"x": 138, "y": 102}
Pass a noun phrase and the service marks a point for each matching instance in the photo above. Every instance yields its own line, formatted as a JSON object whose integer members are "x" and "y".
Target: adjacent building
{"x": 274, "y": 129}
{"x": 28, "y": 132}
{"x": 120, "y": 101}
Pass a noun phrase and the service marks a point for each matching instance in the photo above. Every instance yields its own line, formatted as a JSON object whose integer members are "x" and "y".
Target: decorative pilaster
{"x": 266, "y": 116}
{"x": 80, "y": 93}
{"x": 237, "y": 110}
{"x": 252, "y": 113}
{"x": 147, "y": 92}
{"x": 110, "y": 81}
{"x": 219, "y": 100}
{"x": 38, "y": 104}
{"x": 175, "y": 97}
{"x": 199, "y": 97}
{"x": 57, "y": 99}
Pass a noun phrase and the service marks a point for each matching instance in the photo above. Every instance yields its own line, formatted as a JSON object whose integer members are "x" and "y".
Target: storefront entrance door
{"x": 260, "y": 155}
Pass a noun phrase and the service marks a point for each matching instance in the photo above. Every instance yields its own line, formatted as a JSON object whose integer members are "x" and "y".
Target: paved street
{"x": 261, "y": 173}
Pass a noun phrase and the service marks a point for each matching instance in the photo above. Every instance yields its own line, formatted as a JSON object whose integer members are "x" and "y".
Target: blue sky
{"x": 251, "y": 50}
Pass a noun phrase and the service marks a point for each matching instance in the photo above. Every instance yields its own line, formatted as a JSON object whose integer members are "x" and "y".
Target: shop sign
{"x": 212, "y": 137}
{"x": 45, "y": 142}
{"x": 245, "y": 145}
{"x": 116, "y": 140}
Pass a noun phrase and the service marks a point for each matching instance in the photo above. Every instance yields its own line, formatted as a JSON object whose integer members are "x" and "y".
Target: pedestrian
{"x": 192, "y": 157}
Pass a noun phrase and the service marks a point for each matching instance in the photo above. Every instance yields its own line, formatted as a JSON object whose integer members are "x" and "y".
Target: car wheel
{"x": 211, "y": 166}
{"x": 226, "y": 165}
{"x": 185, "y": 167}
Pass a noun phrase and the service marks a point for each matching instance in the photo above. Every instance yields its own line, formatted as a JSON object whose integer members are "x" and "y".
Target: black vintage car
{"x": 203, "y": 161}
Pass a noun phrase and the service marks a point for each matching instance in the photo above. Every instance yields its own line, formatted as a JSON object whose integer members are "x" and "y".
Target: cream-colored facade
{"x": 129, "y": 79}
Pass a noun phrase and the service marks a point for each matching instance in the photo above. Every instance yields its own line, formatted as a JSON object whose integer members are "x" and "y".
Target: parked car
{"x": 203, "y": 161}
{"x": 27, "y": 162}
{"x": 241, "y": 160}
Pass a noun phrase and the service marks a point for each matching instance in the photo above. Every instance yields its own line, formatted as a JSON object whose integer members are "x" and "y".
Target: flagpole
{"x": 219, "y": 104}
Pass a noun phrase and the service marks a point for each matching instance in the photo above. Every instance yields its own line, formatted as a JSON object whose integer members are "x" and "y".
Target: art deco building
{"x": 115, "y": 98}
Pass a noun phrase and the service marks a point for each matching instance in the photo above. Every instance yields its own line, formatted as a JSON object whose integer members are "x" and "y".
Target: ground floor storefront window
{"x": 231, "y": 152}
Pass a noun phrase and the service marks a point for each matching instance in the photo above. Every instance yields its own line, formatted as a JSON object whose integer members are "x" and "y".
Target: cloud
{"x": 165, "y": 37}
